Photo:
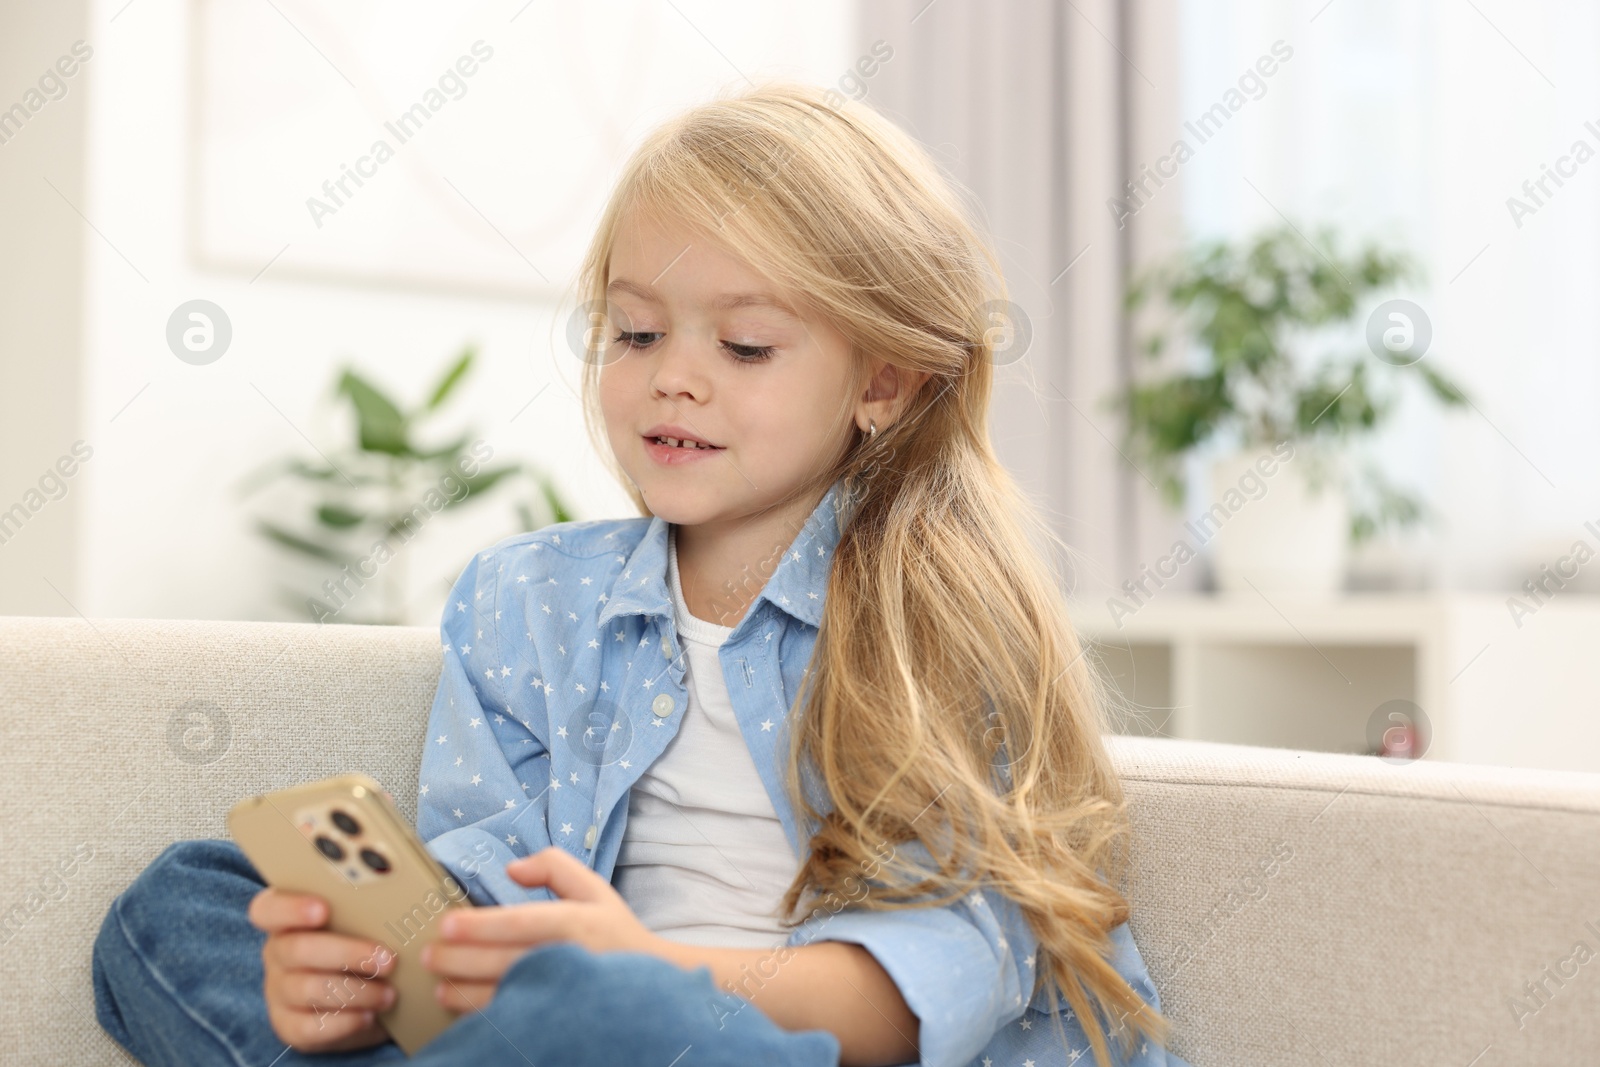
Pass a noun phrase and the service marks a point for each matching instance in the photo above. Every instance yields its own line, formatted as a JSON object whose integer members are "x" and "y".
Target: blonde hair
{"x": 946, "y": 679}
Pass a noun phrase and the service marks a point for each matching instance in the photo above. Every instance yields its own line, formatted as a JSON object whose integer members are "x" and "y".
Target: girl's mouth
{"x": 671, "y": 450}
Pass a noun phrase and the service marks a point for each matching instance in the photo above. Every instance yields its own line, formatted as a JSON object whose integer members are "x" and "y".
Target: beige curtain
{"x": 1044, "y": 110}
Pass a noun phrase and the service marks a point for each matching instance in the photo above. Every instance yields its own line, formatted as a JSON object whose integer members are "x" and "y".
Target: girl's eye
{"x": 742, "y": 353}
{"x": 632, "y": 339}
{"x": 750, "y": 353}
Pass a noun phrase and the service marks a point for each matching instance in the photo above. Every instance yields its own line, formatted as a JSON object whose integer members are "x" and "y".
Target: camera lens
{"x": 344, "y": 822}
{"x": 329, "y": 847}
{"x": 375, "y": 860}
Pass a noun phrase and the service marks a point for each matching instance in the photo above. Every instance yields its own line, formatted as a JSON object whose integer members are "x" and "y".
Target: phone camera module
{"x": 330, "y": 848}
{"x": 375, "y": 860}
{"x": 344, "y": 822}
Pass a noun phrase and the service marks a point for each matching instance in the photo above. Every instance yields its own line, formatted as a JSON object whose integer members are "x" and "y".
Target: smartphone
{"x": 343, "y": 840}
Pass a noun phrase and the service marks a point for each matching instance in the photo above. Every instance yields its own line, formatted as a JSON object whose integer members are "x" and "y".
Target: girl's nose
{"x": 679, "y": 370}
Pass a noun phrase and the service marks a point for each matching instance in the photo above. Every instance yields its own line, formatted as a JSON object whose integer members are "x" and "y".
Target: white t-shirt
{"x": 704, "y": 859}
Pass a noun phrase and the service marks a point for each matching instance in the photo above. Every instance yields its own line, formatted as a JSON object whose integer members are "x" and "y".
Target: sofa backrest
{"x": 1292, "y": 907}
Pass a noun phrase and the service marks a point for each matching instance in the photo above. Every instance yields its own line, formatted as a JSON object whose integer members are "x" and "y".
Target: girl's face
{"x": 711, "y": 351}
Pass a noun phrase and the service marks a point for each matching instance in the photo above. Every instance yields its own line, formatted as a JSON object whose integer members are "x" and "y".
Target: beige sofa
{"x": 1294, "y": 908}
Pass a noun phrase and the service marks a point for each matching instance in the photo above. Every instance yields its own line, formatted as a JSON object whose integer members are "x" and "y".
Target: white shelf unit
{"x": 1289, "y": 673}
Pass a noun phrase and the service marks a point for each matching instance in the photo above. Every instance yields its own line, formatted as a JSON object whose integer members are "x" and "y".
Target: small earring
{"x": 872, "y": 429}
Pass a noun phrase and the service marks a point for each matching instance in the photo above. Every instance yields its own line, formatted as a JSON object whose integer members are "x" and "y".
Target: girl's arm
{"x": 831, "y": 986}
{"x": 485, "y": 761}
{"x": 963, "y": 969}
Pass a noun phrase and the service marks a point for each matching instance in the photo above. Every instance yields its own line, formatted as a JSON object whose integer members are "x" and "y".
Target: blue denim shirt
{"x": 563, "y": 680}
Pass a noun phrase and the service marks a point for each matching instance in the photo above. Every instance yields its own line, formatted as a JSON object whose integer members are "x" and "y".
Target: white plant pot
{"x": 1268, "y": 528}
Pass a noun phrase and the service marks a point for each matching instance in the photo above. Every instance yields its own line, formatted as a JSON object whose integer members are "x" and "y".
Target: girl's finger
{"x": 306, "y": 1030}
{"x": 518, "y": 924}
{"x": 318, "y": 950}
{"x": 328, "y": 992}
{"x": 568, "y": 877}
{"x": 470, "y": 961}
{"x": 464, "y": 996}
{"x": 274, "y": 909}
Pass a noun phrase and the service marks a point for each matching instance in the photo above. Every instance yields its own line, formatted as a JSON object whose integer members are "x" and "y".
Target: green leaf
{"x": 481, "y": 483}
{"x": 558, "y": 507}
{"x": 381, "y": 426}
{"x": 451, "y": 379}
{"x": 483, "y": 480}
{"x": 1446, "y": 390}
{"x": 445, "y": 451}
{"x": 339, "y": 517}
{"x": 294, "y": 541}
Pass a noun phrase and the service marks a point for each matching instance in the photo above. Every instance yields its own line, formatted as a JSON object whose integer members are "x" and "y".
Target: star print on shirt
{"x": 642, "y": 617}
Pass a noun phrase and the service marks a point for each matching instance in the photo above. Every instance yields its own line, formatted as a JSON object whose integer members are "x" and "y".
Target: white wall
{"x": 1412, "y": 124}
{"x": 162, "y": 534}
{"x": 42, "y": 269}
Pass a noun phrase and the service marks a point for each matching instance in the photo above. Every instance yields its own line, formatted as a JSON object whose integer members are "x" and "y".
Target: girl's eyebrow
{"x": 725, "y": 302}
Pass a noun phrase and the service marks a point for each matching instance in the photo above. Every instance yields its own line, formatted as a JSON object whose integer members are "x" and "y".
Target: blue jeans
{"x": 178, "y": 980}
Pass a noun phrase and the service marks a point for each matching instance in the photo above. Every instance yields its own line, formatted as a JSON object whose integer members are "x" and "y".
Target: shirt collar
{"x": 797, "y": 587}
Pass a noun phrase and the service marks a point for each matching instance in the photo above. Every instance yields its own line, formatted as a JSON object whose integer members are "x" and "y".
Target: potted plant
{"x": 373, "y": 497}
{"x": 1286, "y": 498}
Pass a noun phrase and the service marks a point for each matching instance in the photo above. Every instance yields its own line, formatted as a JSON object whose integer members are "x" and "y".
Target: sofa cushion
{"x": 1292, "y": 907}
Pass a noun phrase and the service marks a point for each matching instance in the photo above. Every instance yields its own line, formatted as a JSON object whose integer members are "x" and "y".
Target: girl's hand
{"x": 476, "y": 946}
{"x": 323, "y": 989}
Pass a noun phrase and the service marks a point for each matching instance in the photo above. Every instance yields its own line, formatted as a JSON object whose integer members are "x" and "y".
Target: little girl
{"x": 815, "y": 729}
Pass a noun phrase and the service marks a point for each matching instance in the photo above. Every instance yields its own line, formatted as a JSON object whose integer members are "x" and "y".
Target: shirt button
{"x": 666, "y": 650}
{"x": 588, "y": 838}
{"x": 662, "y": 705}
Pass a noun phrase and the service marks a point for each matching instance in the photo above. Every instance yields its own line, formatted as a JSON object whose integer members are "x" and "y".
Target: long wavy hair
{"x": 948, "y": 705}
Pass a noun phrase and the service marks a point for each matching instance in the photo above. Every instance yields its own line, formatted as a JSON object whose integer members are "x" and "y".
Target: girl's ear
{"x": 886, "y": 394}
